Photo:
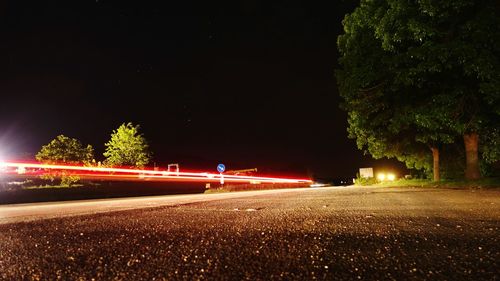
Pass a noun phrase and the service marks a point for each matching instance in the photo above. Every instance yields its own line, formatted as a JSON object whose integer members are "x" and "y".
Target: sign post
{"x": 221, "y": 168}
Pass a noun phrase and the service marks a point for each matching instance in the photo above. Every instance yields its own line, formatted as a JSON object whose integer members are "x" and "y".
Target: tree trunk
{"x": 435, "y": 161}
{"x": 471, "y": 142}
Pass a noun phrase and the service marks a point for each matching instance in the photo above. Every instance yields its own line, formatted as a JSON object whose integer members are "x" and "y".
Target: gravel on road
{"x": 348, "y": 233}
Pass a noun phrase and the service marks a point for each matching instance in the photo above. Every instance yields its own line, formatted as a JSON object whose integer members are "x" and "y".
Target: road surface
{"x": 348, "y": 233}
{"x": 32, "y": 211}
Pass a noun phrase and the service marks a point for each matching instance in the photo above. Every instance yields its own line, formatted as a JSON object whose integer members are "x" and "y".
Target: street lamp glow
{"x": 391, "y": 177}
{"x": 381, "y": 176}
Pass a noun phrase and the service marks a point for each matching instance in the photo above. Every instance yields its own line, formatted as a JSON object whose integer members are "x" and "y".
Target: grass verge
{"x": 53, "y": 186}
{"x": 482, "y": 183}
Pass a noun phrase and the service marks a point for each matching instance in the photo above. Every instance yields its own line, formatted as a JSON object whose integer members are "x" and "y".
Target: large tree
{"x": 127, "y": 147}
{"x": 385, "y": 115}
{"x": 427, "y": 69}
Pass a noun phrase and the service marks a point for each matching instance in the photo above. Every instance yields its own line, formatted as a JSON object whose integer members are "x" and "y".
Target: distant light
{"x": 391, "y": 177}
{"x": 381, "y": 176}
{"x": 21, "y": 170}
{"x": 3, "y": 165}
{"x": 317, "y": 185}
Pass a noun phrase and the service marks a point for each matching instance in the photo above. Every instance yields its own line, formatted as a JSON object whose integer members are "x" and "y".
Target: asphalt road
{"x": 329, "y": 234}
{"x": 10, "y": 213}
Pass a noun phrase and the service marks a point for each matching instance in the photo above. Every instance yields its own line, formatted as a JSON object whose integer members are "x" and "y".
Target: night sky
{"x": 245, "y": 83}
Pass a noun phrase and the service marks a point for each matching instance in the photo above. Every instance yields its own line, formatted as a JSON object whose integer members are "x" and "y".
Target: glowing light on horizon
{"x": 381, "y": 177}
{"x": 386, "y": 177}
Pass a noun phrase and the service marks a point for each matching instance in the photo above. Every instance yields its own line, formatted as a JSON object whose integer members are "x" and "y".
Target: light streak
{"x": 144, "y": 174}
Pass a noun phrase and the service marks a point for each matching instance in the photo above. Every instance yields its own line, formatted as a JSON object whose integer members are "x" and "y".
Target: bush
{"x": 69, "y": 180}
{"x": 364, "y": 181}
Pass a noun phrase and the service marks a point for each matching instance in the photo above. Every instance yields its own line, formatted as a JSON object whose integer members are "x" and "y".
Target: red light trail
{"x": 107, "y": 173}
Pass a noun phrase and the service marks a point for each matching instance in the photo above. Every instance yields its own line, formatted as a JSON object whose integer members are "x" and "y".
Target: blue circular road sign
{"x": 221, "y": 168}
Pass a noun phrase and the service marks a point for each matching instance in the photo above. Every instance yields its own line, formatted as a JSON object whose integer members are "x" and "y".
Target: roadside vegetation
{"x": 481, "y": 183}
{"x": 126, "y": 147}
{"x": 64, "y": 150}
{"x": 420, "y": 83}
{"x": 53, "y": 186}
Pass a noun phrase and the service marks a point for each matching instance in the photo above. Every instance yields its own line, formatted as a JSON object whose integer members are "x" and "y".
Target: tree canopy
{"x": 127, "y": 147}
{"x": 67, "y": 150}
{"x": 416, "y": 75}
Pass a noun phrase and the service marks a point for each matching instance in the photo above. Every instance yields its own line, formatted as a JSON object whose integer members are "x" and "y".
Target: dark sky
{"x": 246, "y": 83}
